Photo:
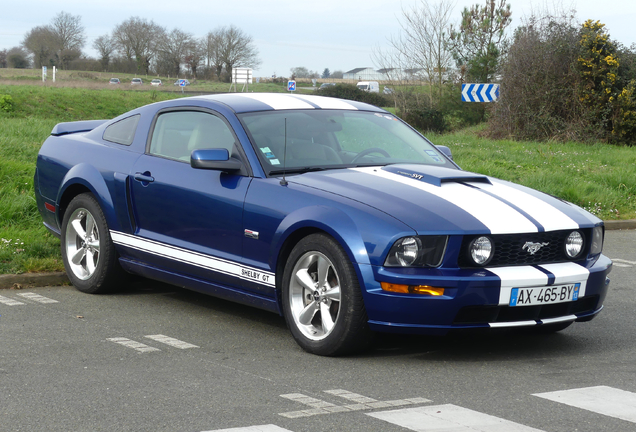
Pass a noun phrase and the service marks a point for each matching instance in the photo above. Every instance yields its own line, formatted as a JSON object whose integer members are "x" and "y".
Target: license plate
{"x": 544, "y": 295}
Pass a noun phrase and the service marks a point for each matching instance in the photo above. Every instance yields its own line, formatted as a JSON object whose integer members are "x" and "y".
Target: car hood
{"x": 433, "y": 199}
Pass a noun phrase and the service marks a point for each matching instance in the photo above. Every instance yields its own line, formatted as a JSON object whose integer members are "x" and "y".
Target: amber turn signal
{"x": 412, "y": 289}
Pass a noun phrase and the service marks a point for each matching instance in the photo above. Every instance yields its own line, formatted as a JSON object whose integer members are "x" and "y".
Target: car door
{"x": 188, "y": 221}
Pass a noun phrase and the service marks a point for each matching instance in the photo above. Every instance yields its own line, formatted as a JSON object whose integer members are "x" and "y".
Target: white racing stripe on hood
{"x": 497, "y": 216}
{"x": 517, "y": 277}
{"x": 551, "y": 218}
{"x": 569, "y": 272}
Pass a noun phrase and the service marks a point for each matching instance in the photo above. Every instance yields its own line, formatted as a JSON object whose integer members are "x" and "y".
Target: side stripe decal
{"x": 227, "y": 267}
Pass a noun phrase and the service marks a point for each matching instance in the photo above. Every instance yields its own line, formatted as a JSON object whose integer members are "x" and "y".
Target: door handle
{"x": 144, "y": 177}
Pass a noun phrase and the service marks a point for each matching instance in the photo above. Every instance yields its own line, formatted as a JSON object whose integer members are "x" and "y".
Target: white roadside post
{"x": 43, "y": 73}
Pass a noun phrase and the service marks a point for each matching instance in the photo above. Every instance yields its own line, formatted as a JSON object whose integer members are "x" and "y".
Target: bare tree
{"x": 105, "y": 47}
{"x": 194, "y": 57}
{"x": 18, "y": 57}
{"x": 41, "y": 42}
{"x": 70, "y": 36}
{"x": 211, "y": 45}
{"x": 138, "y": 38}
{"x": 3, "y": 58}
{"x": 420, "y": 51}
{"x": 238, "y": 49}
{"x": 173, "y": 48}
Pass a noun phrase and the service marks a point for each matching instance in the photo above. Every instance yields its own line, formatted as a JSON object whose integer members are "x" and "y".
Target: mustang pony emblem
{"x": 533, "y": 247}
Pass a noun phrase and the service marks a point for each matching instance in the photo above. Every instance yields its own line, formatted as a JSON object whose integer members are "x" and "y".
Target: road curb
{"x": 33, "y": 279}
{"x": 59, "y": 278}
{"x": 620, "y": 224}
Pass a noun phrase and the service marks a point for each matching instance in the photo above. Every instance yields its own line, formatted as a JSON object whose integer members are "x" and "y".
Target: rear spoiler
{"x": 76, "y": 126}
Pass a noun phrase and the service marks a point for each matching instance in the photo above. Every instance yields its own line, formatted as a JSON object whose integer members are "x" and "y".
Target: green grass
{"x": 597, "y": 177}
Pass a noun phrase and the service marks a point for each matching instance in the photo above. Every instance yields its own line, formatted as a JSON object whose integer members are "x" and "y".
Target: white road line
{"x": 10, "y": 302}
{"x": 449, "y": 418}
{"x": 171, "y": 341}
{"x": 138, "y": 346}
{"x": 262, "y": 428}
{"x": 37, "y": 297}
{"x": 623, "y": 263}
{"x": 350, "y": 396}
{"x": 602, "y": 400}
{"x": 319, "y": 407}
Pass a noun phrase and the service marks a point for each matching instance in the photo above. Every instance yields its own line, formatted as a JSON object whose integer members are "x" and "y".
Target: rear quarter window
{"x": 122, "y": 132}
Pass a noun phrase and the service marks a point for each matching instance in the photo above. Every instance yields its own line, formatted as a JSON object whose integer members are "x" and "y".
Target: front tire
{"x": 322, "y": 301}
{"x": 88, "y": 252}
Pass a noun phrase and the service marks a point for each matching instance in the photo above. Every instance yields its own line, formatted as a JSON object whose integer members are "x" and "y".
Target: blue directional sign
{"x": 480, "y": 92}
{"x": 291, "y": 86}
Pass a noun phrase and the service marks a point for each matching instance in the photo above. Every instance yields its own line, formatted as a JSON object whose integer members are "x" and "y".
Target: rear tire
{"x": 322, "y": 301}
{"x": 88, "y": 252}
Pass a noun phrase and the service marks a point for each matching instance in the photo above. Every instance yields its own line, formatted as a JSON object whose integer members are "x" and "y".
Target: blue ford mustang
{"x": 335, "y": 214}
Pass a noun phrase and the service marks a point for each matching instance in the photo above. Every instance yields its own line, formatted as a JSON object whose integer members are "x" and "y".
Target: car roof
{"x": 249, "y": 102}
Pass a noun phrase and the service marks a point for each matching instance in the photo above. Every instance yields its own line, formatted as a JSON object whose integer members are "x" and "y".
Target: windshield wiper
{"x": 297, "y": 170}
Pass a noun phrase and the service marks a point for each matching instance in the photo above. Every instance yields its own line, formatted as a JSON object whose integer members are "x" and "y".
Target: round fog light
{"x": 574, "y": 244}
{"x": 481, "y": 250}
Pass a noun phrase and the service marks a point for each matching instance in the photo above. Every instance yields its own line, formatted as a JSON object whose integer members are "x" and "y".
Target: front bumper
{"x": 475, "y": 299}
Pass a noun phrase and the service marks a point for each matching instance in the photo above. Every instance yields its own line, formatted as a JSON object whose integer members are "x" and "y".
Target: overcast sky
{"x": 334, "y": 34}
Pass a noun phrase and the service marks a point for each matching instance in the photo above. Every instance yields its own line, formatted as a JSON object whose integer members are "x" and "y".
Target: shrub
{"x": 6, "y": 103}
{"x": 426, "y": 119}
{"x": 351, "y": 92}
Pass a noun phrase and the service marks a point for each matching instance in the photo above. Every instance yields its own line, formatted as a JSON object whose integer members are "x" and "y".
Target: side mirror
{"x": 445, "y": 150}
{"x": 214, "y": 159}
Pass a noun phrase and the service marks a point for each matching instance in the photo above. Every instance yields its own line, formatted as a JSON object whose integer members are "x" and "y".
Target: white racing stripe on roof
{"x": 327, "y": 102}
{"x": 549, "y": 217}
{"x": 277, "y": 101}
{"x": 496, "y": 215}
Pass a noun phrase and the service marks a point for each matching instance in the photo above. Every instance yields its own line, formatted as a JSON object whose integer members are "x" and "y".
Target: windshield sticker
{"x": 433, "y": 154}
{"x": 274, "y": 162}
{"x": 267, "y": 152}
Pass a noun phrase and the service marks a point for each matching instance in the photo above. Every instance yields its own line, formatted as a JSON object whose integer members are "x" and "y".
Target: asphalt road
{"x": 159, "y": 358}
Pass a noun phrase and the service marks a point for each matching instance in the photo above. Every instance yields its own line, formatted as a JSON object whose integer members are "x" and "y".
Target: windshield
{"x": 306, "y": 140}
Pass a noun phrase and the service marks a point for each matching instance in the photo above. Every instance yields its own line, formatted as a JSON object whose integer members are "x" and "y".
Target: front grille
{"x": 494, "y": 314}
{"x": 509, "y": 249}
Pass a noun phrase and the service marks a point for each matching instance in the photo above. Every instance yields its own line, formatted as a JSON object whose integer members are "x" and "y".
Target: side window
{"x": 177, "y": 133}
{"x": 122, "y": 132}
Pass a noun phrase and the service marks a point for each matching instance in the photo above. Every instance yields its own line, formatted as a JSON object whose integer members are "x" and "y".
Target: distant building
{"x": 369, "y": 74}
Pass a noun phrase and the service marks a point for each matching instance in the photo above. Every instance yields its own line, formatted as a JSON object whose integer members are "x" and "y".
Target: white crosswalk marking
{"x": 448, "y": 418}
{"x": 37, "y": 297}
{"x": 319, "y": 407}
{"x": 602, "y": 400}
{"x": 171, "y": 341}
{"x": 263, "y": 428}
{"x": 138, "y": 346}
{"x": 350, "y": 396}
{"x": 9, "y": 302}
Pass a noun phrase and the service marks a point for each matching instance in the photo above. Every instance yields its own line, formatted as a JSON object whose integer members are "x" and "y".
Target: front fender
{"x": 331, "y": 220}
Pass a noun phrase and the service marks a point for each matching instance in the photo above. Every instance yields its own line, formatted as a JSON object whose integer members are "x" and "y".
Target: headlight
{"x": 597, "y": 241}
{"x": 481, "y": 250}
{"x": 417, "y": 251}
{"x": 574, "y": 244}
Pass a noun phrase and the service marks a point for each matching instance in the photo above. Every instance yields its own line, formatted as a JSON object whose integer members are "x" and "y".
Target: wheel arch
{"x": 332, "y": 222}
{"x": 84, "y": 178}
